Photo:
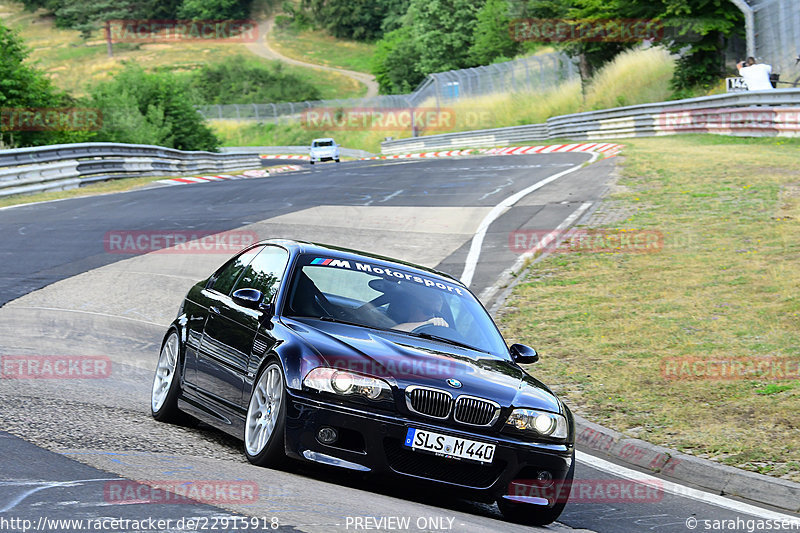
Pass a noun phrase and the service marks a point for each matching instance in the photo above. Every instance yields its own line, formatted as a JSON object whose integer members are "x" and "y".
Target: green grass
{"x": 93, "y": 189}
{"x": 317, "y": 46}
{"x": 330, "y": 84}
{"x": 722, "y": 288}
{"x": 74, "y": 64}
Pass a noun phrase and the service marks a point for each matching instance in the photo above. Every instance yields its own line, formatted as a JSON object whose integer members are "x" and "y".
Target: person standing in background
{"x": 756, "y": 75}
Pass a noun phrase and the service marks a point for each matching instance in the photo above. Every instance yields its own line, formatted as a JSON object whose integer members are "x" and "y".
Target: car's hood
{"x": 323, "y": 150}
{"x": 411, "y": 360}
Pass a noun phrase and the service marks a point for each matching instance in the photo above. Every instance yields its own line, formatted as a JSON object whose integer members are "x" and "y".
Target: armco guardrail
{"x": 766, "y": 113}
{"x": 272, "y": 150}
{"x": 66, "y": 166}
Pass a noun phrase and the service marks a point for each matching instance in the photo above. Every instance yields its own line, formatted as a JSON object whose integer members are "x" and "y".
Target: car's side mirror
{"x": 250, "y": 298}
{"x": 522, "y": 354}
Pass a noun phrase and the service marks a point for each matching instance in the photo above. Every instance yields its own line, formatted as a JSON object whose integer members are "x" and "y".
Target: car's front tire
{"x": 534, "y": 515}
{"x": 166, "y": 382}
{"x": 312, "y": 161}
{"x": 265, "y": 423}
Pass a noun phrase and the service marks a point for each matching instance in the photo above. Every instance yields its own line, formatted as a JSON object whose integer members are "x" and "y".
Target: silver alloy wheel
{"x": 165, "y": 372}
{"x": 262, "y": 413}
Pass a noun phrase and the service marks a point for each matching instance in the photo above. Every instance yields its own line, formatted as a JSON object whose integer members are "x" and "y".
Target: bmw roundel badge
{"x": 454, "y": 383}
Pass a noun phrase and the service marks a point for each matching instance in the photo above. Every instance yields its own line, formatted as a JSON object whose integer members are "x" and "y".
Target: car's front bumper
{"x": 372, "y": 441}
{"x": 324, "y": 156}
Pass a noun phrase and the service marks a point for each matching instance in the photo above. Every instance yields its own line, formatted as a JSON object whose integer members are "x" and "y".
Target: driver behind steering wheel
{"x": 422, "y": 307}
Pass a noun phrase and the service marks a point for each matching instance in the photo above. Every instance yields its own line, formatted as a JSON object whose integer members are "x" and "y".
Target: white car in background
{"x": 324, "y": 149}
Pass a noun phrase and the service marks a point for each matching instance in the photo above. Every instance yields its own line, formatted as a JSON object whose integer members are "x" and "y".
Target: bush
{"x": 151, "y": 108}
{"x": 240, "y": 81}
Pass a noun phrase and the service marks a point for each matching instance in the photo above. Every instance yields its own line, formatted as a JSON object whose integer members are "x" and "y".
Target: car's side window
{"x": 226, "y": 278}
{"x": 265, "y": 272}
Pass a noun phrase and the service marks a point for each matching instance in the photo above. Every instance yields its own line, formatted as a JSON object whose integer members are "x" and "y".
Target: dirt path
{"x": 263, "y": 49}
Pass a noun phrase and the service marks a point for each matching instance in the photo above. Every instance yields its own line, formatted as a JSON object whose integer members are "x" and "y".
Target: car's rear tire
{"x": 337, "y": 160}
{"x": 534, "y": 515}
{"x": 265, "y": 422}
{"x": 166, "y": 382}
{"x": 312, "y": 161}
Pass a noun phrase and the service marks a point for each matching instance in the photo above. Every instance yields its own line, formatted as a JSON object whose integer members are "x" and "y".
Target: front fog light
{"x": 327, "y": 435}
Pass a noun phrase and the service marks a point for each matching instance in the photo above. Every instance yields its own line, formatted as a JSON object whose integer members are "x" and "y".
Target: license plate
{"x": 449, "y": 446}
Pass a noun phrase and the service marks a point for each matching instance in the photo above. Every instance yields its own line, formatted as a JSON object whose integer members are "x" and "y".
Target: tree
{"x": 394, "y": 11}
{"x": 23, "y": 87}
{"x": 349, "y": 19}
{"x": 395, "y": 63}
{"x": 155, "y": 108}
{"x": 695, "y": 29}
{"x": 492, "y": 37}
{"x": 700, "y": 29}
{"x": 215, "y": 9}
{"x": 361, "y": 20}
{"x": 443, "y": 31}
{"x": 89, "y": 16}
{"x": 585, "y": 17}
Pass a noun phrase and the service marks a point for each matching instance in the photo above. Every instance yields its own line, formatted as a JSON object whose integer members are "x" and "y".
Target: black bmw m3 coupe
{"x": 328, "y": 355}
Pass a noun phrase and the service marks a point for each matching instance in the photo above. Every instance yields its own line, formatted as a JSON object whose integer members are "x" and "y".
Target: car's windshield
{"x": 375, "y": 296}
{"x": 323, "y": 143}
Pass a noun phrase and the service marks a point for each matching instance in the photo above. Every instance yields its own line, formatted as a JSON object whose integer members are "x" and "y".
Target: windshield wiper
{"x": 445, "y": 340}
{"x": 328, "y": 318}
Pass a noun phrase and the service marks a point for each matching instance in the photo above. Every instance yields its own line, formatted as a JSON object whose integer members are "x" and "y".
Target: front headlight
{"x": 346, "y": 383}
{"x": 538, "y": 423}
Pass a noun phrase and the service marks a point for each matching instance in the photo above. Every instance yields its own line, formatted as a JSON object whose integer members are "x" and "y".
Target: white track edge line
{"x": 474, "y": 254}
{"x": 682, "y": 490}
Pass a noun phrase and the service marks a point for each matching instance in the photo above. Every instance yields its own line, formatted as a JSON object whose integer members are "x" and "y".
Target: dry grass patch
{"x": 723, "y": 288}
{"x": 318, "y": 47}
{"x": 74, "y": 64}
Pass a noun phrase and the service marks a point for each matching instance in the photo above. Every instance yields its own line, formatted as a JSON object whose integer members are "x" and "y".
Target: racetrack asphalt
{"x": 66, "y": 293}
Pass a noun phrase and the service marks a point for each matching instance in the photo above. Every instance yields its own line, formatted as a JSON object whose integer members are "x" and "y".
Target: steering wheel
{"x": 433, "y": 329}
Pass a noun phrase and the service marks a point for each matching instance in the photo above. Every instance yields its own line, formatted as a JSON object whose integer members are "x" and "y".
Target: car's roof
{"x": 337, "y": 252}
{"x": 323, "y": 139}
